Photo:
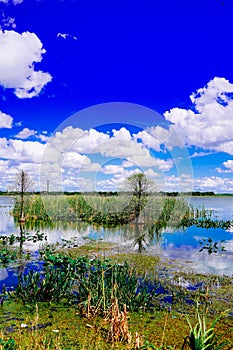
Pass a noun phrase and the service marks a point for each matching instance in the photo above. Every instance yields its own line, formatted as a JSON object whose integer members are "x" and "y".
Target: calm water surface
{"x": 180, "y": 245}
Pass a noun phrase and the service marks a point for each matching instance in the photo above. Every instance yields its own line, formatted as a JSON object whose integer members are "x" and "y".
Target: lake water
{"x": 183, "y": 246}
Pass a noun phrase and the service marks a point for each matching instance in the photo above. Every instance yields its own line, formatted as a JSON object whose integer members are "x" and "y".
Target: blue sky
{"x": 93, "y": 91}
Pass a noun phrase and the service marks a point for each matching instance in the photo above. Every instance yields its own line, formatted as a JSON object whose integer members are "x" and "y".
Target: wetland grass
{"x": 106, "y": 300}
{"x": 100, "y": 321}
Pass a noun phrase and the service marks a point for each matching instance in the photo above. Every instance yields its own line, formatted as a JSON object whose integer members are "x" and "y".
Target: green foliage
{"x": 99, "y": 280}
{"x": 203, "y": 338}
{"x": 9, "y": 344}
{"x": 7, "y": 256}
{"x": 211, "y": 246}
{"x": 156, "y": 210}
{"x": 148, "y": 346}
{"x": 23, "y": 237}
{"x": 55, "y": 285}
{"x": 95, "y": 283}
{"x": 104, "y": 282}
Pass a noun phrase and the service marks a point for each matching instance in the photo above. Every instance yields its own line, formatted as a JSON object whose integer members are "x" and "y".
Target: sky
{"x": 92, "y": 92}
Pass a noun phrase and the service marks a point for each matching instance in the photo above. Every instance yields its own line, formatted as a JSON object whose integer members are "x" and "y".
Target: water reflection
{"x": 168, "y": 242}
{"x": 6, "y": 220}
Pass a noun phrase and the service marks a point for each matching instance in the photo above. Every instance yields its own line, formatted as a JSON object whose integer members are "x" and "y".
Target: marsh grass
{"x": 57, "y": 326}
{"x": 61, "y": 325}
{"x": 105, "y": 211}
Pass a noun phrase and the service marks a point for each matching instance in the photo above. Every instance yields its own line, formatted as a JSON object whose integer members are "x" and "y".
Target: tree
{"x": 22, "y": 185}
{"x": 139, "y": 184}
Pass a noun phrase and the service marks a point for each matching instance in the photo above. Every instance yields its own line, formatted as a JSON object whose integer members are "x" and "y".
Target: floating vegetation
{"x": 211, "y": 246}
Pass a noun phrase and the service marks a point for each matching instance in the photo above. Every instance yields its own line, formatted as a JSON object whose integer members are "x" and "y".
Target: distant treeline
{"x": 111, "y": 193}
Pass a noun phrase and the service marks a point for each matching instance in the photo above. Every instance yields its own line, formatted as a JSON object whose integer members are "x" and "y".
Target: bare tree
{"x": 22, "y": 185}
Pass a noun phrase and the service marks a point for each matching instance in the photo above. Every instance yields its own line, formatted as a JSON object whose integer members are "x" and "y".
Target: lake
{"x": 182, "y": 245}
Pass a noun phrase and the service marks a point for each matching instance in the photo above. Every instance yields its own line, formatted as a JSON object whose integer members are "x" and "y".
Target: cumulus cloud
{"x": 224, "y": 185}
{"x": 228, "y": 167}
{"x": 19, "y": 53}
{"x": 5, "y": 121}
{"x": 149, "y": 140}
{"x": 119, "y": 154}
{"x": 21, "y": 151}
{"x": 43, "y": 137}
{"x": 209, "y": 125}
{"x": 77, "y": 140}
{"x": 229, "y": 164}
{"x": 123, "y": 145}
{"x": 182, "y": 183}
{"x": 120, "y": 146}
{"x": 25, "y": 133}
{"x": 78, "y": 161}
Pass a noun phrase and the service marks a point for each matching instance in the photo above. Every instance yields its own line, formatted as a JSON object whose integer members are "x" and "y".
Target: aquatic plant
{"x": 92, "y": 283}
{"x": 203, "y": 338}
{"x": 10, "y": 254}
{"x": 8, "y": 344}
{"x": 105, "y": 281}
{"x": 148, "y": 346}
{"x": 211, "y": 246}
{"x": 55, "y": 285}
{"x": 7, "y": 256}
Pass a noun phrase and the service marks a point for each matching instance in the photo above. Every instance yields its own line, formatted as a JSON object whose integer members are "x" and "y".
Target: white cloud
{"x": 228, "y": 167}
{"x": 123, "y": 145}
{"x": 78, "y": 140}
{"x": 162, "y": 139}
{"x": 113, "y": 169}
{"x": 120, "y": 146}
{"x": 15, "y": 2}
{"x": 72, "y": 151}
{"x": 7, "y": 22}
{"x": 228, "y": 164}
{"x": 210, "y": 125}
{"x": 77, "y": 161}
{"x": 214, "y": 183}
{"x": 66, "y": 35}
{"x": 5, "y": 121}
{"x": 21, "y": 151}
{"x": 148, "y": 139}
{"x": 182, "y": 183}
{"x": 19, "y": 52}
{"x": 25, "y": 133}
{"x": 200, "y": 154}
{"x": 43, "y": 137}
